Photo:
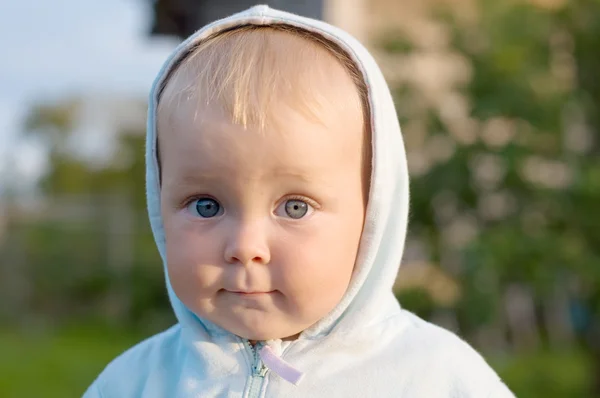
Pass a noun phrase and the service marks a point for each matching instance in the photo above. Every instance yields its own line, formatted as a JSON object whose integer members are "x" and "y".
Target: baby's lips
{"x": 249, "y": 291}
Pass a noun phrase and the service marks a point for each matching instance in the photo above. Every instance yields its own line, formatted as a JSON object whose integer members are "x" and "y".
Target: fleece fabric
{"x": 368, "y": 346}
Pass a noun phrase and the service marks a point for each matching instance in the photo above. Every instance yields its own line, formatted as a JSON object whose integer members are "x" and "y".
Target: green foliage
{"x": 550, "y": 232}
{"x": 534, "y": 72}
{"x": 396, "y": 43}
{"x": 80, "y": 277}
{"x": 418, "y": 301}
{"x": 90, "y": 251}
{"x": 548, "y": 374}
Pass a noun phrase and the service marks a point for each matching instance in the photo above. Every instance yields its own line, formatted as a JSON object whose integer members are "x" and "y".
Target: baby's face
{"x": 262, "y": 227}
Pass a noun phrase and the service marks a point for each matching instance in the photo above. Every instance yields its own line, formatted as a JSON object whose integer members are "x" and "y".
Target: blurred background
{"x": 500, "y": 107}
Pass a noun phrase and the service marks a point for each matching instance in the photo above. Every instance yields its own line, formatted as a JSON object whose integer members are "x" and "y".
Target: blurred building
{"x": 183, "y": 17}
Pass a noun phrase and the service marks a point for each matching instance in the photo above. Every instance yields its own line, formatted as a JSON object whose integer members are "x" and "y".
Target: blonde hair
{"x": 247, "y": 68}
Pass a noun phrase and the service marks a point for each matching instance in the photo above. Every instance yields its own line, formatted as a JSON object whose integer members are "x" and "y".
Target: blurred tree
{"x": 69, "y": 172}
{"x": 89, "y": 252}
{"x": 506, "y": 172}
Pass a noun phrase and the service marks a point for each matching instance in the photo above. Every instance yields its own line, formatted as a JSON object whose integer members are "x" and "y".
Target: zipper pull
{"x": 258, "y": 368}
{"x": 279, "y": 366}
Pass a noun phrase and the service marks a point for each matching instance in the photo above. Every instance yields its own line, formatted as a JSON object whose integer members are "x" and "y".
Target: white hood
{"x": 366, "y": 347}
{"x": 384, "y": 233}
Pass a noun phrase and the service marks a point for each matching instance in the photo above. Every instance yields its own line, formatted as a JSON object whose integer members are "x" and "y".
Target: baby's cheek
{"x": 312, "y": 282}
{"x": 321, "y": 260}
{"x": 192, "y": 263}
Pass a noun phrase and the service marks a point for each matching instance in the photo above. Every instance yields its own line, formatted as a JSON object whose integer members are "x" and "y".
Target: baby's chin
{"x": 261, "y": 331}
{"x": 255, "y": 319}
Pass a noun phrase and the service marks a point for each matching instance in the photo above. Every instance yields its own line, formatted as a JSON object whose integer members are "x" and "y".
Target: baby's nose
{"x": 247, "y": 244}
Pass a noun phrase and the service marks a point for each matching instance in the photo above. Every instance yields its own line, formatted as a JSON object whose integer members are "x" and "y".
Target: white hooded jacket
{"x": 366, "y": 347}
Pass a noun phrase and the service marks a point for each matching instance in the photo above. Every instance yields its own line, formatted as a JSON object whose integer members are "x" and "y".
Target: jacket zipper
{"x": 258, "y": 373}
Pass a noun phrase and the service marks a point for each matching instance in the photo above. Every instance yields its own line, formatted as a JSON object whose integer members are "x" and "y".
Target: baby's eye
{"x": 294, "y": 208}
{"x": 204, "y": 207}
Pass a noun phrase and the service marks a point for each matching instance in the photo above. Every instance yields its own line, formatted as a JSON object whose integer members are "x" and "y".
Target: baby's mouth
{"x": 249, "y": 293}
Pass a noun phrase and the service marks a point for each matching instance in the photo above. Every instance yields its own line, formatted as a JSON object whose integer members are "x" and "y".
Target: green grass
{"x": 56, "y": 364}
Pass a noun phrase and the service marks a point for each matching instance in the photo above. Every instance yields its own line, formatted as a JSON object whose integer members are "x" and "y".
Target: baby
{"x": 278, "y": 196}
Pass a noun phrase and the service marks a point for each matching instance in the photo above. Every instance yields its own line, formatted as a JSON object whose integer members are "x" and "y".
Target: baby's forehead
{"x": 250, "y": 70}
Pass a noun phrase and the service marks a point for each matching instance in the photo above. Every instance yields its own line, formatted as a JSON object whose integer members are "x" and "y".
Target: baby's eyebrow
{"x": 191, "y": 179}
{"x": 200, "y": 176}
{"x": 291, "y": 174}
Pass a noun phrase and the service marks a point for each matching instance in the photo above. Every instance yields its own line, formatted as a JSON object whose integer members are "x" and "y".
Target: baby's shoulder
{"x": 419, "y": 333}
{"x": 432, "y": 352}
{"x": 434, "y": 343}
{"x": 129, "y": 373}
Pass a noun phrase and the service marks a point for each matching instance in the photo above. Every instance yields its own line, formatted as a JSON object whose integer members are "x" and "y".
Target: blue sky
{"x": 51, "y": 49}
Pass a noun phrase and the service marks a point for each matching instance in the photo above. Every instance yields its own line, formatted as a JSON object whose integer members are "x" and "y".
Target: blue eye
{"x": 205, "y": 207}
{"x": 296, "y": 209}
